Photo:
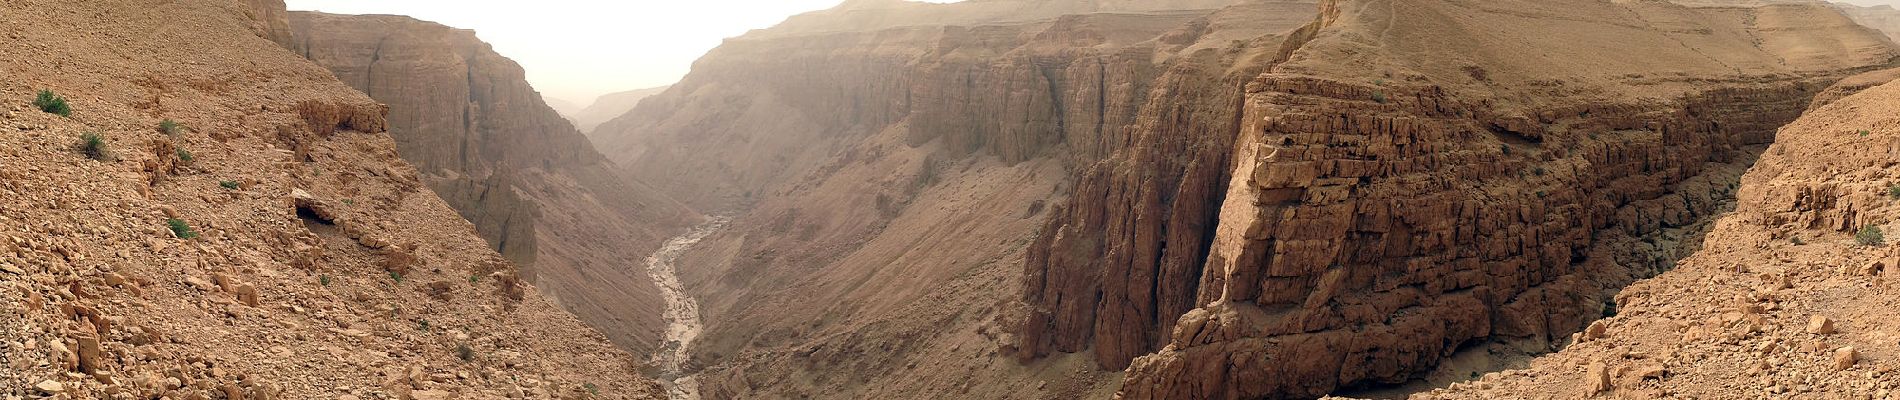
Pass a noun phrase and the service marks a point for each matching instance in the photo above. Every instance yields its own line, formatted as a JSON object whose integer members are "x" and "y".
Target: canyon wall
{"x": 1811, "y": 304}
{"x": 1212, "y": 190}
{"x": 1390, "y": 206}
{"x": 900, "y": 224}
{"x": 487, "y": 143}
{"x": 267, "y": 243}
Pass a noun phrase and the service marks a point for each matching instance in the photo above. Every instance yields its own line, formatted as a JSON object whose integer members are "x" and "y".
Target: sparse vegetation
{"x": 1379, "y": 96}
{"x": 323, "y": 280}
{"x": 422, "y": 324}
{"x": 53, "y": 103}
{"x": 1539, "y": 171}
{"x": 1797, "y": 241}
{"x": 185, "y": 155}
{"x": 474, "y": 278}
{"x": 170, "y": 127}
{"x": 94, "y": 146}
{"x": 349, "y": 202}
{"x": 464, "y": 352}
{"x": 1864, "y": 132}
{"x": 233, "y": 185}
{"x": 1504, "y": 148}
{"x": 1609, "y": 308}
{"x": 395, "y": 276}
{"x": 1870, "y": 236}
{"x": 1894, "y": 191}
{"x": 181, "y": 229}
{"x": 591, "y": 389}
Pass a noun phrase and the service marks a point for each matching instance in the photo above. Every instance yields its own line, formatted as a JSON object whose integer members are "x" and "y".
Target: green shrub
{"x": 53, "y": 103}
{"x": 180, "y": 228}
{"x": 393, "y": 275}
{"x": 1379, "y": 96}
{"x": 323, "y": 280}
{"x": 1864, "y": 132}
{"x": 1870, "y": 236}
{"x": 233, "y": 185}
{"x": 591, "y": 389}
{"x": 1894, "y": 191}
{"x": 94, "y": 146}
{"x": 185, "y": 155}
{"x": 170, "y": 127}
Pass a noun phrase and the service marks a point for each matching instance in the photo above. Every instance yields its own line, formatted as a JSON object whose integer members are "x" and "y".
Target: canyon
{"x": 534, "y": 187}
{"x": 1191, "y": 192}
{"x": 998, "y": 199}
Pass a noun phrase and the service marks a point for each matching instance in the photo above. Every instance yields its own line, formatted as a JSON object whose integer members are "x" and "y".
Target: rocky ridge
{"x": 271, "y": 246}
{"x": 489, "y": 145}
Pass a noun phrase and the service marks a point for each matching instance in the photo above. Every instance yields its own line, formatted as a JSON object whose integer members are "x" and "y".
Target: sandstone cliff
{"x": 900, "y": 224}
{"x": 273, "y": 245}
{"x": 1390, "y": 205}
{"x": 487, "y": 143}
{"x": 1783, "y": 300}
{"x": 1274, "y": 198}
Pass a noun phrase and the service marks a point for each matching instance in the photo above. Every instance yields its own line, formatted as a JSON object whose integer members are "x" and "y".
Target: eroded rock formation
{"x": 487, "y": 143}
{"x": 1385, "y": 211}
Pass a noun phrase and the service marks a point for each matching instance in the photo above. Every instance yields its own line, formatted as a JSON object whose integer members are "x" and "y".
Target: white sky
{"x": 577, "y": 50}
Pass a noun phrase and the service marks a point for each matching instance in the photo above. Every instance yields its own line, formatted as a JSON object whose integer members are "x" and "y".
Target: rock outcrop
{"x": 266, "y": 243}
{"x": 1389, "y": 206}
{"x": 487, "y": 143}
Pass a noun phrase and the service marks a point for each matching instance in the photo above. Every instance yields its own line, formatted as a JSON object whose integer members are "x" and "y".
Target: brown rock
{"x": 1845, "y": 358}
{"x": 1596, "y": 378}
{"x": 1820, "y": 325}
{"x": 90, "y": 357}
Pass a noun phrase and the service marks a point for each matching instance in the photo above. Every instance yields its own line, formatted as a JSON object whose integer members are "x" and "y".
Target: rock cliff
{"x": 209, "y": 215}
{"x": 1389, "y": 205}
{"x": 976, "y": 113}
{"x": 1249, "y": 199}
{"x": 1783, "y": 300}
{"x": 487, "y": 143}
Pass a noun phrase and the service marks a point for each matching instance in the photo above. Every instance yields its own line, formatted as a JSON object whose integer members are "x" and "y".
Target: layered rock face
{"x": 1388, "y": 206}
{"x": 896, "y": 157}
{"x": 487, "y": 143}
{"x": 1782, "y": 301}
{"x": 268, "y": 245}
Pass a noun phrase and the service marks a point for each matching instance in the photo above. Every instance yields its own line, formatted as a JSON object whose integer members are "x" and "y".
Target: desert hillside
{"x": 532, "y": 185}
{"x": 208, "y": 215}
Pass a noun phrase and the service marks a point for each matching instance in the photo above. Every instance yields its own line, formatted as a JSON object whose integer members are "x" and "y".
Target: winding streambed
{"x": 682, "y": 311}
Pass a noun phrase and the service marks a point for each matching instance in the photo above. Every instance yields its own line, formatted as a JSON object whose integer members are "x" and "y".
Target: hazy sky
{"x": 576, "y": 50}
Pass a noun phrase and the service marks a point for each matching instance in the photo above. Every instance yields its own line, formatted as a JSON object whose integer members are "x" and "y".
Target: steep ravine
{"x": 534, "y": 187}
{"x": 683, "y": 324}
